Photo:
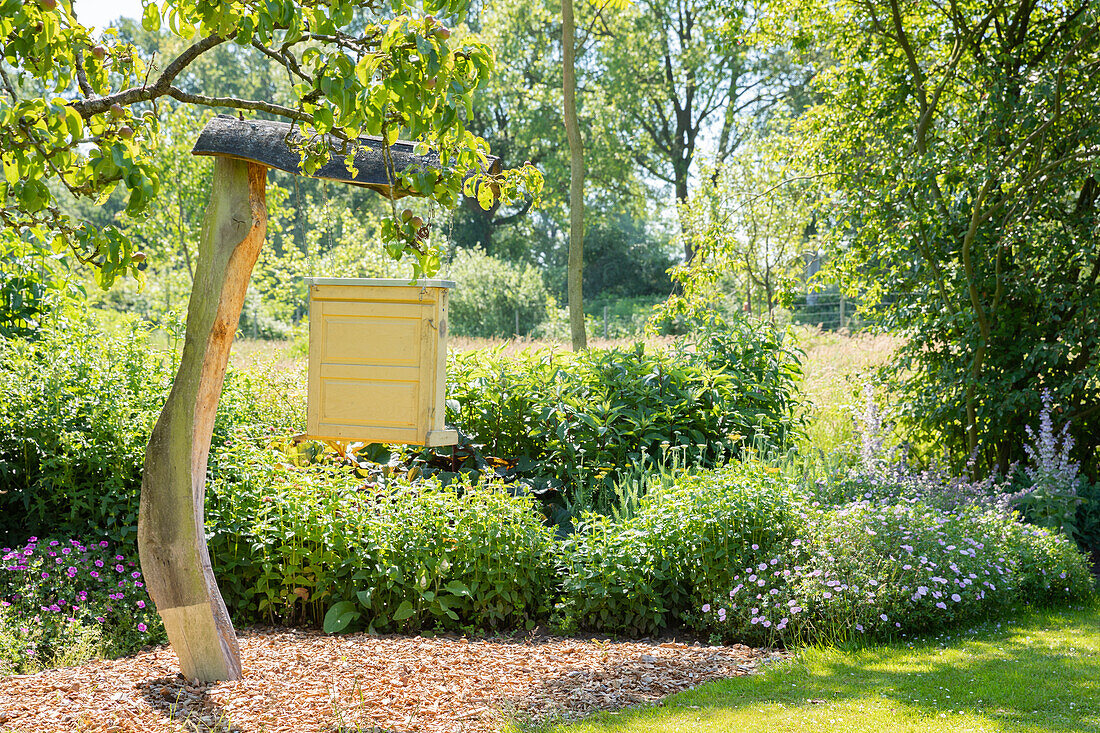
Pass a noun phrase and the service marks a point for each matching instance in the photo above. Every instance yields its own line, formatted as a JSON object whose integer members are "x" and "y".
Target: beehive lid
{"x": 379, "y": 282}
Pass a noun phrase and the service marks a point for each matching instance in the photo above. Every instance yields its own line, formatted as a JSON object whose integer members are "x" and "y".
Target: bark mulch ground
{"x": 305, "y": 682}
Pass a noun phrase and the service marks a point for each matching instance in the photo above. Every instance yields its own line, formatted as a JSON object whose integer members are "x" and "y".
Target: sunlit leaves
{"x": 357, "y": 71}
{"x": 957, "y": 161}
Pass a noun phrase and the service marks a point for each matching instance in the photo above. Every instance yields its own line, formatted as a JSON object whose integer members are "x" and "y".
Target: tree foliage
{"x": 82, "y": 114}
{"x": 681, "y": 77}
{"x": 749, "y": 227}
{"x": 960, "y": 143}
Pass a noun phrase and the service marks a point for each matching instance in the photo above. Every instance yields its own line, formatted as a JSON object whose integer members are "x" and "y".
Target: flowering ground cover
{"x": 64, "y": 600}
{"x": 1038, "y": 672}
{"x": 886, "y": 571}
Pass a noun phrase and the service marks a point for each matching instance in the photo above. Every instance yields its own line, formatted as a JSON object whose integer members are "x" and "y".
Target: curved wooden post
{"x": 171, "y": 534}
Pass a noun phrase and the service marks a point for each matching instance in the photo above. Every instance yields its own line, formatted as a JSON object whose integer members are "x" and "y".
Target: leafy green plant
{"x": 76, "y": 408}
{"x": 589, "y": 415}
{"x": 315, "y": 546}
{"x": 1087, "y": 522}
{"x": 683, "y": 543}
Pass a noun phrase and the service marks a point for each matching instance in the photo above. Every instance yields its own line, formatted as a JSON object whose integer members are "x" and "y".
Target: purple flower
{"x": 45, "y": 575}
{"x": 942, "y": 605}
{"x": 119, "y": 568}
{"x": 956, "y": 597}
{"x": 94, "y": 574}
{"x": 142, "y": 627}
{"x": 883, "y": 617}
{"x": 706, "y": 606}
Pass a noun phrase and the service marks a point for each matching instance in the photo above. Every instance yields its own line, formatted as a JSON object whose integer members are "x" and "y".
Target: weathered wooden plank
{"x": 266, "y": 142}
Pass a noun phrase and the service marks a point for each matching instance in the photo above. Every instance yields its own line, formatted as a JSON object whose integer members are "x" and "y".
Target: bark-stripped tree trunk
{"x": 171, "y": 532}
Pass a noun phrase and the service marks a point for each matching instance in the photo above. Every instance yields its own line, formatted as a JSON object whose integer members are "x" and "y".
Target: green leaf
{"x": 340, "y": 616}
{"x": 458, "y": 588}
{"x": 404, "y": 611}
{"x": 150, "y": 18}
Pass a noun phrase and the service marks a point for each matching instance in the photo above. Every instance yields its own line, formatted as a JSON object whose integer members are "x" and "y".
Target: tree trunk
{"x": 171, "y": 532}
{"x": 576, "y": 179}
{"x": 681, "y": 187}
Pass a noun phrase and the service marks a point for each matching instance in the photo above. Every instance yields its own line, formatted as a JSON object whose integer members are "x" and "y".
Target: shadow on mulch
{"x": 187, "y": 703}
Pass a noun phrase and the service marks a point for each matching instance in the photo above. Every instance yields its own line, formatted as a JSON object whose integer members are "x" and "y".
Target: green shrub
{"x": 681, "y": 546}
{"x": 77, "y": 405}
{"x": 314, "y": 546}
{"x": 76, "y": 408}
{"x": 1087, "y": 522}
{"x": 594, "y": 412}
{"x": 494, "y": 298}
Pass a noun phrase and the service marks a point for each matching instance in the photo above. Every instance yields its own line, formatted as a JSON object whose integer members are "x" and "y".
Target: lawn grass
{"x": 1037, "y": 672}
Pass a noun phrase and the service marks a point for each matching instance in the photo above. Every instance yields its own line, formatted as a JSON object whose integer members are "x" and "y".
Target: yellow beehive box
{"x": 377, "y": 358}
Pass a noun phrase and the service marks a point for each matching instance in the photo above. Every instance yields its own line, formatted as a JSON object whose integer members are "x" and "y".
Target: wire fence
{"x": 629, "y": 318}
{"x": 830, "y": 311}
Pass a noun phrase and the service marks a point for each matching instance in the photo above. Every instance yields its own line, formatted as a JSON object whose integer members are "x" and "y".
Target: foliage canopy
{"x": 82, "y": 114}
{"x": 961, "y": 145}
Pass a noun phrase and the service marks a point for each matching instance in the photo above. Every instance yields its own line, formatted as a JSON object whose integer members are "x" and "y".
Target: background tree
{"x": 577, "y": 332}
{"x": 520, "y": 115}
{"x": 678, "y": 72}
{"x": 747, "y": 224}
{"x": 960, "y": 143}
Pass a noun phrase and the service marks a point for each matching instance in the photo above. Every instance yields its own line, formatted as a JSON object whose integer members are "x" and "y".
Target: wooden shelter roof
{"x": 266, "y": 142}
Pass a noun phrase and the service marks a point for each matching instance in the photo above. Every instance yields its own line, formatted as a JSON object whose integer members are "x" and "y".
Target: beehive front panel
{"x": 366, "y": 367}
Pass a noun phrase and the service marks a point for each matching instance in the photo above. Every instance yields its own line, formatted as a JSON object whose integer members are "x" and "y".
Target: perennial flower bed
{"x": 63, "y": 599}
{"x": 879, "y": 571}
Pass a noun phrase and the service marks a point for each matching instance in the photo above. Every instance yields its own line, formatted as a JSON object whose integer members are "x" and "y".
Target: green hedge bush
{"x": 598, "y": 411}
{"x": 315, "y": 546}
{"x": 494, "y": 298}
{"x": 77, "y": 405}
{"x": 683, "y": 543}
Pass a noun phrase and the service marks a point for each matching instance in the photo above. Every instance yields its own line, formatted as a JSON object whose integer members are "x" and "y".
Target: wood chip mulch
{"x": 304, "y": 682}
